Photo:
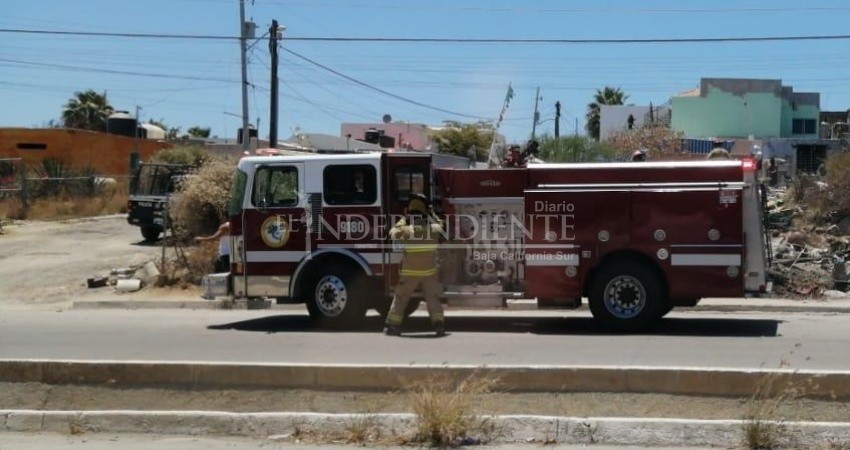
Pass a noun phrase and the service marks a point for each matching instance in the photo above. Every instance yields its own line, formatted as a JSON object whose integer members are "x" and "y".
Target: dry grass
{"x": 362, "y": 429}
{"x": 108, "y": 199}
{"x": 181, "y": 154}
{"x": 764, "y": 425}
{"x": 658, "y": 140}
{"x": 447, "y": 411}
{"x": 838, "y": 179}
{"x": 187, "y": 265}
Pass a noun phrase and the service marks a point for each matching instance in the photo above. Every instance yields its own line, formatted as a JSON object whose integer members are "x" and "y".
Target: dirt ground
{"x": 71, "y": 397}
{"x": 46, "y": 264}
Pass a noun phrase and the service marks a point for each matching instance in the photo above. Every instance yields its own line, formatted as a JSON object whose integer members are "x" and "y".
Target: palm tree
{"x": 87, "y": 111}
{"x": 605, "y": 96}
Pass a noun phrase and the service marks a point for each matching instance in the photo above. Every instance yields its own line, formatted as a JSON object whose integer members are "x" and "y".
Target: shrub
{"x": 658, "y": 140}
{"x": 445, "y": 410}
{"x": 188, "y": 155}
{"x": 201, "y": 199}
{"x": 838, "y": 179}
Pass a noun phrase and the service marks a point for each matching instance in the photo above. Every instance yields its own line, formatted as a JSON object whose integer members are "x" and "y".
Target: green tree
{"x": 199, "y": 132}
{"x": 605, "y": 96}
{"x": 573, "y": 149}
{"x": 87, "y": 110}
{"x": 170, "y": 132}
{"x": 457, "y": 138}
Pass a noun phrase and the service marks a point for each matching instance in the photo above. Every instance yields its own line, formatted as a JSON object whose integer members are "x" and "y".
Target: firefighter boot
{"x": 440, "y": 328}
{"x": 392, "y": 330}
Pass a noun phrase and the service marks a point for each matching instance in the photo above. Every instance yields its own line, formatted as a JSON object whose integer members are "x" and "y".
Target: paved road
{"x": 811, "y": 341}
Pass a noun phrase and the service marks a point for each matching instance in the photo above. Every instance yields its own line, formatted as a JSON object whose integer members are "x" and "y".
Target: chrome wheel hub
{"x": 625, "y": 297}
{"x": 331, "y": 295}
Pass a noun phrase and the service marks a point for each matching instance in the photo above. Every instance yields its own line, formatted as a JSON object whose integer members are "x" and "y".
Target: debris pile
{"x": 127, "y": 279}
{"x": 810, "y": 250}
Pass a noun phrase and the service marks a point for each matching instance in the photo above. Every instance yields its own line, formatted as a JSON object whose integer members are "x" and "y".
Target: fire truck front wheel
{"x": 627, "y": 296}
{"x": 336, "y": 298}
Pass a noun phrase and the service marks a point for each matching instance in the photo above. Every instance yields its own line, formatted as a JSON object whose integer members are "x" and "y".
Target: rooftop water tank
{"x": 121, "y": 123}
{"x": 151, "y": 131}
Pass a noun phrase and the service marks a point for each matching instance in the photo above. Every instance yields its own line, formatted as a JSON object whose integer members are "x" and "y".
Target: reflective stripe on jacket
{"x": 420, "y": 247}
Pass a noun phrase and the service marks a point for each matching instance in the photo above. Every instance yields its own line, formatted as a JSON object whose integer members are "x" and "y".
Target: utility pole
{"x": 243, "y": 47}
{"x": 536, "y": 113}
{"x": 557, "y": 120}
{"x": 134, "y": 159}
{"x": 273, "y": 100}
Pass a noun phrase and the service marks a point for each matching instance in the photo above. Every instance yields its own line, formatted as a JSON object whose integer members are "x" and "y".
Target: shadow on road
{"x": 144, "y": 243}
{"x": 718, "y": 327}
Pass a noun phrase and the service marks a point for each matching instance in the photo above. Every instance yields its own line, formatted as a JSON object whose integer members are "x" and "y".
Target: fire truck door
{"x": 403, "y": 175}
{"x": 275, "y": 230}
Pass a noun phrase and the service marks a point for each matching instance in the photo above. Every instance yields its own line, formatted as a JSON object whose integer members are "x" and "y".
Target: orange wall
{"x": 107, "y": 154}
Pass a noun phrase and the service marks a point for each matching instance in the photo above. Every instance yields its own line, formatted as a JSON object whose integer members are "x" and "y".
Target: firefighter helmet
{"x": 638, "y": 155}
{"x": 417, "y": 203}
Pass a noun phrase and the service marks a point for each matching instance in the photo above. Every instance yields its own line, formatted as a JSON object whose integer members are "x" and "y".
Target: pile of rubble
{"x": 127, "y": 279}
{"x": 809, "y": 259}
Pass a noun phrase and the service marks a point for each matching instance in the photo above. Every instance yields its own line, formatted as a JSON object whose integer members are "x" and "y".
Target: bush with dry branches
{"x": 446, "y": 412}
{"x": 658, "y": 140}
{"x": 201, "y": 200}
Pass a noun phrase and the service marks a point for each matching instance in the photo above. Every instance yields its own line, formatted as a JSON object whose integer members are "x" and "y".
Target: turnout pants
{"x": 407, "y": 285}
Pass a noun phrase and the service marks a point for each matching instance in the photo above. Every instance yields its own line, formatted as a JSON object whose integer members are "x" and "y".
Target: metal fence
{"x": 11, "y": 175}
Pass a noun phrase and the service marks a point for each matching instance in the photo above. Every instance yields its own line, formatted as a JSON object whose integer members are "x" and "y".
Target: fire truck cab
{"x": 636, "y": 239}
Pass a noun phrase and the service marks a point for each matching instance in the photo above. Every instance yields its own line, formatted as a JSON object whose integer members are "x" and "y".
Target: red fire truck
{"x": 636, "y": 239}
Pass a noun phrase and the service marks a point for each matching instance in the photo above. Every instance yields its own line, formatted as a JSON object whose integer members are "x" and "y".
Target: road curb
{"x": 508, "y": 428}
{"x": 627, "y": 379}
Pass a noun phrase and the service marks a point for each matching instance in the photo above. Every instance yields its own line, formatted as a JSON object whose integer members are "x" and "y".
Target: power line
{"x": 443, "y": 40}
{"x": 115, "y": 72}
{"x": 377, "y": 89}
{"x": 567, "y": 41}
{"x": 120, "y": 35}
{"x": 499, "y": 9}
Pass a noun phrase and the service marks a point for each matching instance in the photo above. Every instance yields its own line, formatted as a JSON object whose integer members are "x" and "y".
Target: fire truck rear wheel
{"x": 151, "y": 233}
{"x": 627, "y": 296}
{"x": 336, "y": 298}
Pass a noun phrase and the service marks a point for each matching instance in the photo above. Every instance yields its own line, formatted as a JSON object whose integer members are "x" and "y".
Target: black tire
{"x": 627, "y": 296}
{"x": 151, "y": 233}
{"x": 336, "y": 297}
{"x": 666, "y": 310}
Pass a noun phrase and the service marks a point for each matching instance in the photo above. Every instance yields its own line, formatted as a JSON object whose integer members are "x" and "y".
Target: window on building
{"x": 409, "y": 180}
{"x": 810, "y": 158}
{"x": 275, "y": 187}
{"x": 350, "y": 184}
{"x": 31, "y": 146}
{"x": 804, "y": 126}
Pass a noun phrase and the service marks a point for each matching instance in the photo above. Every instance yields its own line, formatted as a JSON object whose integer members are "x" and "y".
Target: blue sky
{"x": 197, "y": 81}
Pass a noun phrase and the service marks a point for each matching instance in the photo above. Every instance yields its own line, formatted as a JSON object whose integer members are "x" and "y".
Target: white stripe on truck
{"x": 702, "y": 259}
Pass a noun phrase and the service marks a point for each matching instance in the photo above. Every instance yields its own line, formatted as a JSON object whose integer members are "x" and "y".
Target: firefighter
{"x": 419, "y": 232}
{"x": 638, "y": 155}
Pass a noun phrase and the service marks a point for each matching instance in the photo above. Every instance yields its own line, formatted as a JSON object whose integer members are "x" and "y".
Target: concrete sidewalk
{"x": 510, "y": 430}
{"x": 109, "y": 441}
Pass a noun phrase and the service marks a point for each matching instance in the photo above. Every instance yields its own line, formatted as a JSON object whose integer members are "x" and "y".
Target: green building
{"x": 740, "y": 108}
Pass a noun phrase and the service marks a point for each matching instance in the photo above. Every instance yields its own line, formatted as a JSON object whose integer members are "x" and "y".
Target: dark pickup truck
{"x": 149, "y": 190}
